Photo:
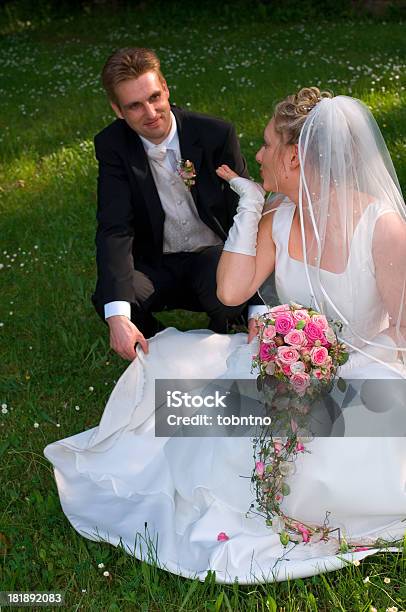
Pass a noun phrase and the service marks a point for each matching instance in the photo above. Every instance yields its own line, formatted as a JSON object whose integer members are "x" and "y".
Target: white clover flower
{"x": 366, "y": 580}
{"x": 107, "y": 574}
{"x": 386, "y": 580}
{"x": 4, "y": 409}
{"x": 77, "y": 408}
{"x": 100, "y": 565}
{"x": 91, "y": 388}
{"x": 36, "y": 425}
{"x": 4, "y": 405}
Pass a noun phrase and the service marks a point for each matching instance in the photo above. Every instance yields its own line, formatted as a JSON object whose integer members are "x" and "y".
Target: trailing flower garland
{"x": 298, "y": 359}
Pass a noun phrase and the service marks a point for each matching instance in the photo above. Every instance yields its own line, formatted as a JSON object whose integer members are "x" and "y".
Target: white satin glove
{"x": 242, "y": 237}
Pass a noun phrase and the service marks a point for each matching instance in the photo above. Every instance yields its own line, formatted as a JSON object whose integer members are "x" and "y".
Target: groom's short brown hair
{"x": 126, "y": 64}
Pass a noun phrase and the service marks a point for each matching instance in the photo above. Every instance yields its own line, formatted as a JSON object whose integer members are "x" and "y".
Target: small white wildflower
{"x": 106, "y": 574}
{"x": 386, "y": 580}
{"x": 58, "y": 424}
{"x": 1, "y": 324}
{"x": 4, "y": 405}
{"x": 36, "y": 425}
{"x": 91, "y": 388}
{"x": 100, "y": 565}
{"x": 366, "y": 580}
{"x": 1, "y": 266}
{"x": 84, "y": 591}
{"x": 4, "y": 409}
{"x": 77, "y": 408}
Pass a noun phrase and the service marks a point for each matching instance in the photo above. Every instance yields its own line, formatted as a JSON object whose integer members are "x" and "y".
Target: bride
{"x": 336, "y": 240}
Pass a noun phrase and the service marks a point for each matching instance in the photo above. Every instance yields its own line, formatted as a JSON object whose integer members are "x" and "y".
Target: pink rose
{"x": 330, "y": 335}
{"x": 305, "y": 532}
{"x": 325, "y": 342}
{"x": 300, "y": 315}
{"x": 320, "y": 321}
{"x": 265, "y": 352}
{"x": 278, "y": 446}
{"x": 287, "y": 355}
{"x": 280, "y": 309}
{"x": 260, "y": 468}
{"x": 318, "y": 374}
{"x": 300, "y": 381}
{"x": 313, "y": 332}
{"x": 286, "y": 369}
{"x": 319, "y": 355}
{"x": 269, "y": 333}
{"x": 299, "y": 447}
{"x": 295, "y": 338}
{"x": 222, "y": 537}
{"x": 284, "y": 323}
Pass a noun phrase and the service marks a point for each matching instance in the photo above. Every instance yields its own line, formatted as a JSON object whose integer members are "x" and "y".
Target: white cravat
{"x": 166, "y": 153}
{"x": 161, "y": 155}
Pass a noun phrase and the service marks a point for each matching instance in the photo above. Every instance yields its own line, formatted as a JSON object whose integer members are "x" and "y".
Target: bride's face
{"x": 279, "y": 162}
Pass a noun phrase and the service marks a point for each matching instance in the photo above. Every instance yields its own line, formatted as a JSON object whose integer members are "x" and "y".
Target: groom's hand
{"x": 252, "y": 329}
{"x": 123, "y": 337}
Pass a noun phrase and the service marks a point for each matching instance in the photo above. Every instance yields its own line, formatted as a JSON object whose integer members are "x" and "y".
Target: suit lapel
{"x": 140, "y": 166}
{"x": 189, "y": 148}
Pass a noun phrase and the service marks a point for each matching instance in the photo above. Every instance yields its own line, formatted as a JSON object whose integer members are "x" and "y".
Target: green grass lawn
{"x": 56, "y": 367}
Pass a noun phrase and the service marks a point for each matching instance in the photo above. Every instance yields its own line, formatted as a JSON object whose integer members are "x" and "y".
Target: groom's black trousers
{"x": 181, "y": 280}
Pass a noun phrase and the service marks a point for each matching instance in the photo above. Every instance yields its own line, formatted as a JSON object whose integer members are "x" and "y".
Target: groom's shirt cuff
{"x": 255, "y": 310}
{"x": 121, "y": 308}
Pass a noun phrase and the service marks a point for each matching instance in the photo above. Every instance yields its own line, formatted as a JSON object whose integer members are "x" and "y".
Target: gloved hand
{"x": 242, "y": 237}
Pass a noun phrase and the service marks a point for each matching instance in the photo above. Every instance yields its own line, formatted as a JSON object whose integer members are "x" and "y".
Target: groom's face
{"x": 144, "y": 104}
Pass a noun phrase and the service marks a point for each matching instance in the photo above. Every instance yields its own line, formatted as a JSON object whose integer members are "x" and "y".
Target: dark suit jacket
{"x": 130, "y": 215}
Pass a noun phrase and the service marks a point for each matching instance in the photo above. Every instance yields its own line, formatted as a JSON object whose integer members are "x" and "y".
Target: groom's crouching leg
{"x": 146, "y": 298}
{"x": 203, "y": 283}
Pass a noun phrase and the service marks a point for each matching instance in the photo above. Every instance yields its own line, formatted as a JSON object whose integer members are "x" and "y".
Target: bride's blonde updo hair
{"x": 291, "y": 113}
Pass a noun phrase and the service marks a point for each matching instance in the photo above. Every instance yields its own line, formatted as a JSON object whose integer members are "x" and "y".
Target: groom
{"x": 159, "y": 238}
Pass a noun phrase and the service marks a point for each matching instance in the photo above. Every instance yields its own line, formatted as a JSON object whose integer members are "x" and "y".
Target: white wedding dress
{"x": 167, "y": 499}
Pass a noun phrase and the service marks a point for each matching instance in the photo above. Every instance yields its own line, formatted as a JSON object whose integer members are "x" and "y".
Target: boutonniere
{"x": 187, "y": 172}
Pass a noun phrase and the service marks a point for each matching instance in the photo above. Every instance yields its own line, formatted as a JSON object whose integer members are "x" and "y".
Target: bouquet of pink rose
{"x": 298, "y": 345}
{"x": 298, "y": 357}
